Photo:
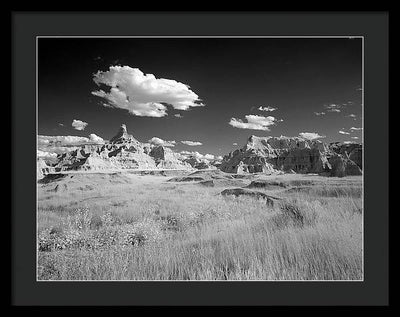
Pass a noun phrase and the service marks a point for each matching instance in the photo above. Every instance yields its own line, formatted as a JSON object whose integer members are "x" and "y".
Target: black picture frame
{"x": 373, "y": 26}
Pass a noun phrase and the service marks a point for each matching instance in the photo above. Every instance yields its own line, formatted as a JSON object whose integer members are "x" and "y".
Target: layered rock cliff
{"x": 271, "y": 154}
{"x": 165, "y": 158}
{"x": 123, "y": 151}
{"x": 258, "y": 155}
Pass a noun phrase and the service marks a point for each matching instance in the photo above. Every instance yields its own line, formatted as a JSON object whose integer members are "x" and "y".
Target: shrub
{"x": 295, "y": 213}
{"x": 79, "y": 219}
{"x": 137, "y": 234}
{"x": 47, "y": 268}
{"x": 110, "y": 219}
{"x": 103, "y": 238}
{"x": 171, "y": 222}
{"x": 96, "y": 222}
{"x": 50, "y": 240}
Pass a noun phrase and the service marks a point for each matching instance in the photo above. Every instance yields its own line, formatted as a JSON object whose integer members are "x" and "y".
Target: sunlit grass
{"x": 200, "y": 235}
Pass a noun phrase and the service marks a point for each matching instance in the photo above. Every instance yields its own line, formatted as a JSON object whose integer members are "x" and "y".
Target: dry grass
{"x": 144, "y": 228}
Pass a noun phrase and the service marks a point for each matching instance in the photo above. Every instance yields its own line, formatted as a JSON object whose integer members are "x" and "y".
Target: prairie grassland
{"x": 131, "y": 227}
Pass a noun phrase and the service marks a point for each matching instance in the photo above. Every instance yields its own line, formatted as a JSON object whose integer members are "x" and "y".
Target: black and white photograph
{"x": 200, "y": 158}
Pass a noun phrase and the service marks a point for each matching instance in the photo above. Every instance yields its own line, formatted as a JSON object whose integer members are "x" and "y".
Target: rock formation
{"x": 165, "y": 158}
{"x": 250, "y": 193}
{"x": 123, "y": 151}
{"x": 259, "y": 155}
{"x": 352, "y": 151}
{"x": 123, "y": 137}
{"x": 200, "y": 164}
{"x": 42, "y": 168}
{"x": 272, "y": 154}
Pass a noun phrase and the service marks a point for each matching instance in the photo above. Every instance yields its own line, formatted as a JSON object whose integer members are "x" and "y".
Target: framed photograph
{"x": 200, "y": 158}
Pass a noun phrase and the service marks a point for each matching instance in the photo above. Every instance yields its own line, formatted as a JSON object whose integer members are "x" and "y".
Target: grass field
{"x": 124, "y": 226}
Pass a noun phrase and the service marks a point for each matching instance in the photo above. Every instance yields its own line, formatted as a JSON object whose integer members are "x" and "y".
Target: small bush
{"x": 110, "y": 219}
{"x": 96, "y": 222}
{"x": 104, "y": 238}
{"x": 171, "y": 222}
{"x": 47, "y": 268}
{"x": 79, "y": 219}
{"x": 295, "y": 213}
{"x": 48, "y": 240}
{"x": 138, "y": 234}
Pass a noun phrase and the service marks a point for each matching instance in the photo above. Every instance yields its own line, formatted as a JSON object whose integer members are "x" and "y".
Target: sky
{"x": 210, "y": 93}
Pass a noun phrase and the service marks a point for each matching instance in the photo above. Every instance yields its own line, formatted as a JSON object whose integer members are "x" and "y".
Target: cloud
{"x": 187, "y": 153}
{"x": 197, "y": 155}
{"x": 319, "y": 113}
{"x": 157, "y": 141}
{"x": 352, "y": 115}
{"x": 61, "y": 144}
{"x": 61, "y": 124}
{"x": 343, "y": 132}
{"x": 178, "y": 115}
{"x": 143, "y": 94}
{"x": 355, "y": 129}
{"x": 333, "y": 107}
{"x": 96, "y": 139}
{"x": 268, "y": 108}
{"x": 192, "y": 143}
{"x": 43, "y": 140}
{"x": 254, "y": 122}
{"x": 79, "y": 125}
{"x": 355, "y": 137}
{"x": 311, "y": 135}
{"x": 348, "y": 142}
{"x": 235, "y": 143}
{"x": 209, "y": 157}
{"x": 67, "y": 140}
{"x": 46, "y": 154}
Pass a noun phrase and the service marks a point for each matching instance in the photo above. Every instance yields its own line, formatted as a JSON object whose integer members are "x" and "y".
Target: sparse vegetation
{"x": 143, "y": 228}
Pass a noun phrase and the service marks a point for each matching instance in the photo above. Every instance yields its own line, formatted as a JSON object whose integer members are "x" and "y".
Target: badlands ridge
{"x": 267, "y": 155}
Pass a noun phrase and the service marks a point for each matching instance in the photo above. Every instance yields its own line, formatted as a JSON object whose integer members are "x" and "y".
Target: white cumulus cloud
{"x": 319, "y": 113}
{"x": 343, "y": 132}
{"x": 46, "y": 154}
{"x": 311, "y": 135}
{"x": 62, "y": 140}
{"x": 95, "y": 138}
{"x": 142, "y": 94}
{"x": 79, "y": 125}
{"x": 355, "y": 129}
{"x": 157, "y": 141}
{"x": 254, "y": 122}
{"x": 192, "y": 143}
